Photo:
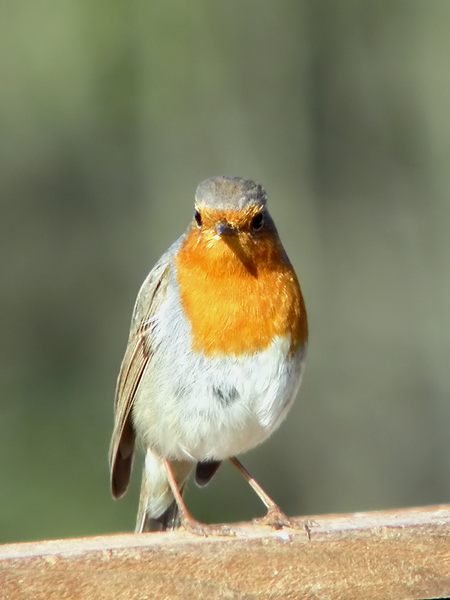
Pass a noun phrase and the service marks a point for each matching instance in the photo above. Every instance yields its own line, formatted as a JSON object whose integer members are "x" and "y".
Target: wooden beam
{"x": 372, "y": 556}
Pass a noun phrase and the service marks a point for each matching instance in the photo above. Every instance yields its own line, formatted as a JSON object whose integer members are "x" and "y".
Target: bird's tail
{"x": 158, "y": 510}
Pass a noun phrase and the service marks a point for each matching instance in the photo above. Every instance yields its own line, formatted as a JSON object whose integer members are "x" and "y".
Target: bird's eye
{"x": 257, "y": 222}
{"x": 198, "y": 218}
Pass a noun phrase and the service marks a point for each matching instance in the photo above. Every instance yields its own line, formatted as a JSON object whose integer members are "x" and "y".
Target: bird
{"x": 215, "y": 355}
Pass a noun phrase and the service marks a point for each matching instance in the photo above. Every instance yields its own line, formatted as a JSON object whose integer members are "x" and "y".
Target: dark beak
{"x": 224, "y": 228}
{"x": 230, "y": 236}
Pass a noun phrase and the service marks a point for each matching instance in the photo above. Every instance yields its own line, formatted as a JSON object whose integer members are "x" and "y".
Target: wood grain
{"x": 394, "y": 554}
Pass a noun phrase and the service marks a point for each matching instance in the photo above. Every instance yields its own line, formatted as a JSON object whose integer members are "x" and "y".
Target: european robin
{"x": 215, "y": 354}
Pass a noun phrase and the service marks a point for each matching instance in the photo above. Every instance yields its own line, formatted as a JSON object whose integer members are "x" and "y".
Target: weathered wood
{"x": 379, "y": 555}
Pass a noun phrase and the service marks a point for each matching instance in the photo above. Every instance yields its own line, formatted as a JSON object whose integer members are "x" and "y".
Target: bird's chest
{"x": 212, "y": 406}
{"x": 234, "y": 310}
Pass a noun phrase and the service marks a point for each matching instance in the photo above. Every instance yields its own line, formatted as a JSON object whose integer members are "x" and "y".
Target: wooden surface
{"x": 403, "y": 554}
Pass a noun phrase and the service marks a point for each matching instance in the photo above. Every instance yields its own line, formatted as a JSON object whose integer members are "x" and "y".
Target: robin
{"x": 215, "y": 354}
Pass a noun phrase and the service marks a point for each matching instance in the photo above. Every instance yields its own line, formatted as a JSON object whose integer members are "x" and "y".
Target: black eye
{"x": 198, "y": 218}
{"x": 257, "y": 222}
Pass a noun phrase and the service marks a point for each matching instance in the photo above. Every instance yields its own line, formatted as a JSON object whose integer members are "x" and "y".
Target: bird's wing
{"x": 137, "y": 356}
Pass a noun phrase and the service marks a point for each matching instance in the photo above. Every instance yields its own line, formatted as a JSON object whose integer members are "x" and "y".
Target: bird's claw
{"x": 205, "y": 529}
{"x": 277, "y": 519}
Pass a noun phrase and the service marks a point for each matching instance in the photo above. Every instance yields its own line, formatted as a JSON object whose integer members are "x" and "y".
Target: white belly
{"x": 194, "y": 407}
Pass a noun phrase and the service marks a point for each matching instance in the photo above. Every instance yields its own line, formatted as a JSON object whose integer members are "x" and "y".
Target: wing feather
{"x": 137, "y": 356}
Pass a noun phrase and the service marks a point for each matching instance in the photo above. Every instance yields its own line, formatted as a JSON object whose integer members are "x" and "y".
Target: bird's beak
{"x": 224, "y": 228}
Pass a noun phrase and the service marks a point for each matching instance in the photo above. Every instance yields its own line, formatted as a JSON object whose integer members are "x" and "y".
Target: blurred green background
{"x": 110, "y": 114}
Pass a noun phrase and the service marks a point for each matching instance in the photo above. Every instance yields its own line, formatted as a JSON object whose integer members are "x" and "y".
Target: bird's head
{"x": 230, "y": 215}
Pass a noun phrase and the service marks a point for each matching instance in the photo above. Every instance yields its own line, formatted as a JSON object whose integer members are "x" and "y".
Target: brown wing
{"x": 137, "y": 356}
{"x": 205, "y": 471}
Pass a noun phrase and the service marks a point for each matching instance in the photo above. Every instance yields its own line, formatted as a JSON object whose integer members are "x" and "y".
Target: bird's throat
{"x": 238, "y": 301}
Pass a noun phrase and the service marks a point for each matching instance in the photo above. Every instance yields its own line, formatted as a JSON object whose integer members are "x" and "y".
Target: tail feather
{"x": 168, "y": 521}
{"x": 158, "y": 510}
{"x": 205, "y": 471}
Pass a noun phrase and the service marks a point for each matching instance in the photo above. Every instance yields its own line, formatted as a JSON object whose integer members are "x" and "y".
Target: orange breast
{"x": 239, "y": 294}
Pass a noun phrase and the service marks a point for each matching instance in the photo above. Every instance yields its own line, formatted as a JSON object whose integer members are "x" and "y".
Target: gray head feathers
{"x": 230, "y": 193}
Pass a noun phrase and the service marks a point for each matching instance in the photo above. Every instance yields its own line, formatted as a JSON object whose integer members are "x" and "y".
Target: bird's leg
{"x": 274, "y": 517}
{"x": 187, "y": 520}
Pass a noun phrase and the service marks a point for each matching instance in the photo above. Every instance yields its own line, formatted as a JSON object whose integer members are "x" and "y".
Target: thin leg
{"x": 274, "y": 517}
{"x": 262, "y": 495}
{"x": 187, "y": 520}
{"x": 185, "y": 514}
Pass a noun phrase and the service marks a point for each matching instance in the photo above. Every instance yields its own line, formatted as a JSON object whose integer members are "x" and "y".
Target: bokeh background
{"x": 110, "y": 114}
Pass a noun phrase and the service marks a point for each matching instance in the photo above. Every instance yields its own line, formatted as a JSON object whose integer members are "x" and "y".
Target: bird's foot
{"x": 277, "y": 519}
{"x": 206, "y": 529}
